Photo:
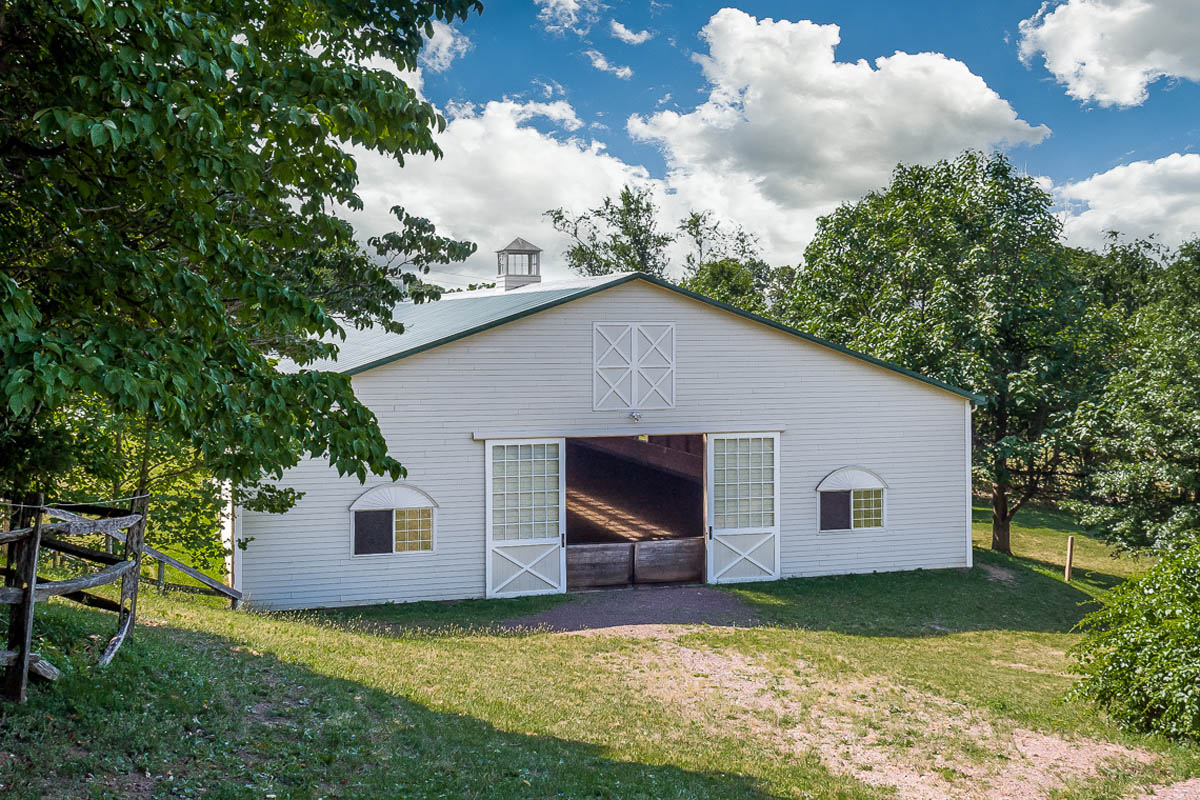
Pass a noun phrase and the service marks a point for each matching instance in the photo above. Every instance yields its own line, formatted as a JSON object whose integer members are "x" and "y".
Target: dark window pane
{"x": 372, "y": 532}
{"x": 835, "y": 511}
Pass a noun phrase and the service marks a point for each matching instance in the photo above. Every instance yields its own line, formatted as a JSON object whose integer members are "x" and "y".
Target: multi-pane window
{"x": 525, "y": 491}
{"x": 743, "y": 482}
{"x": 393, "y": 530}
{"x": 413, "y": 529}
{"x": 851, "y": 509}
{"x": 867, "y": 508}
{"x": 393, "y": 518}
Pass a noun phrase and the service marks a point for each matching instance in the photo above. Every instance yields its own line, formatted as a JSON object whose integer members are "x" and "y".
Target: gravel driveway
{"x": 645, "y": 607}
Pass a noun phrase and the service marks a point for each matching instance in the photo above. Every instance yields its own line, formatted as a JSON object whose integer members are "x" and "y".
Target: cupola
{"x": 519, "y": 264}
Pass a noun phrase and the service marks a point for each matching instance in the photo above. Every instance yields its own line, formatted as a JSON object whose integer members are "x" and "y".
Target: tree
{"x": 117, "y": 455}
{"x": 711, "y": 240}
{"x": 1144, "y": 431}
{"x": 1125, "y": 273}
{"x": 1140, "y": 656}
{"x": 956, "y": 270}
{"x": 730, "y": 282}
{"x": 168, "y": 171}
{"x": 617, "y": 236}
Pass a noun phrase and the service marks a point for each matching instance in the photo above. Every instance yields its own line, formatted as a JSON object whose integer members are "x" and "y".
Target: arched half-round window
{"x": 852, "y": 498}
{"x": 396, "y": 518}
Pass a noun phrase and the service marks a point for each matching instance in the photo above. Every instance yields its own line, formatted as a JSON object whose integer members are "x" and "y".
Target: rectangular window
{"x": 851, "y": 510}
{"x": 393, "y": 530}
{"x": 633, "y": 365}
{"x": 414, "y": 529}
{"x": 525, "y": 491}
{"x": 372, "y": 532}
{"x": 868, "y": 508}
{"x": 835, "y": 511}
{"x": 743, "y": 483}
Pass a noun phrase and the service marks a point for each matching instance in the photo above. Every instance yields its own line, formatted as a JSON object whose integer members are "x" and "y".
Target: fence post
{"x": 1070, "y": 558}
{"x": 162, "y": 575}
{"x": 23, "y": 555}
{"x": 134, "y": 538}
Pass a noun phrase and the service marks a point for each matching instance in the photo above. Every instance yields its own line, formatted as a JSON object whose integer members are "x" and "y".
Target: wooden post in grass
{"x": 135, "y": 538}
{"x": 23, "y": 554}
{"x": 1070, "y": 558}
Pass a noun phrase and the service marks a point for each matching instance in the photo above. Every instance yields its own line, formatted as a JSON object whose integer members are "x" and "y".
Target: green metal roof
{"x": 429, "y": 325}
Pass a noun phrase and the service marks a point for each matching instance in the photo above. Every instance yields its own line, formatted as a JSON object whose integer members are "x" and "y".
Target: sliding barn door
{"x": 743, "y": 507}
{"x": 526, "y": 517}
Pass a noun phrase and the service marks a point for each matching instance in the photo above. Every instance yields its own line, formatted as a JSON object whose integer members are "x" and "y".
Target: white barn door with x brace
{"x": 743, "y": 507}
{"x": 526, "y": 517}
{"x": 633, "y": 365}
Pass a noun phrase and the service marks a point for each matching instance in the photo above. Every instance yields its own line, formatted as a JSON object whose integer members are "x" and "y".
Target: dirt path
{"x": 919, "y": 745}
{"x": 642, "y": 611}
{"x": 922, "y": 746}
{"x": 1185, "y": 790}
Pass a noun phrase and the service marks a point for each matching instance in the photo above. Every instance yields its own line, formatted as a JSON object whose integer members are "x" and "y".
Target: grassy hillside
{"x": 948, "y": 683}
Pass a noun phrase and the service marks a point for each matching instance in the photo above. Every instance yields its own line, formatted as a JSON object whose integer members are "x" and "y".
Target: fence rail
{"x": 24, "y": 587}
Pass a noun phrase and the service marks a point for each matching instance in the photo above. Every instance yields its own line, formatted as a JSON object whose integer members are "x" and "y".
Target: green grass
{"x": 433, "y": 700}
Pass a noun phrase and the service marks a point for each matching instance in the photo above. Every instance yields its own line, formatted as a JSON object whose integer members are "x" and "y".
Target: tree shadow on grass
{"x": 181, "y": 713}
{"x": 1034, "y": 517}
{"x": 1095, "y": 579}
{"x": 430, "y": 619}
{"x": 999, "y": 593}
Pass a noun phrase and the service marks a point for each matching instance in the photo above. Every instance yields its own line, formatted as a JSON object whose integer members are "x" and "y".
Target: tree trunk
{"x": 1001, "y": 520}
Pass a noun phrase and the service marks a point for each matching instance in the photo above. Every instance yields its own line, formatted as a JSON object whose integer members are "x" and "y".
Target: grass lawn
{"x": 923, "y": 684}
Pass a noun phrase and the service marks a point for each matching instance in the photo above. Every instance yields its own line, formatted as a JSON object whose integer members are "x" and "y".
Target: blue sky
{"x": 548, "y": 106}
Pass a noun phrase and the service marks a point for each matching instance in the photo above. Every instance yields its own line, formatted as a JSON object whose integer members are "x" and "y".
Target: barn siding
{"x": 533, "y": 378}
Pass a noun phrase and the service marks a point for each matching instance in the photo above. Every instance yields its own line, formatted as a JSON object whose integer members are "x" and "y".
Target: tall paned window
{"x": 525, "y": 491}
{"x": 744, "y": 482}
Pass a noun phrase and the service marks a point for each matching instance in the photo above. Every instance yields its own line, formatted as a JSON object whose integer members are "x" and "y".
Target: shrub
{"x": 1141, "y": 656}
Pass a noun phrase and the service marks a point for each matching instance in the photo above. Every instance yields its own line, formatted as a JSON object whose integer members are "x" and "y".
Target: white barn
{"x": 609, "y": 431}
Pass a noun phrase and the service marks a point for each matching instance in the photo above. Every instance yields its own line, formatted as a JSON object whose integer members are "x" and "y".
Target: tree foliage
{"x": 623, "y": 235}
{"x": 1140, "y": 658}
{"x": 1143, "y": 432}
{"x": 169, "y": 171}
{"x": 619, "y": 235}
{"x": 956, "y": 270}
{"x": 1125, "y": 274}
{"x": 729, "y": 281}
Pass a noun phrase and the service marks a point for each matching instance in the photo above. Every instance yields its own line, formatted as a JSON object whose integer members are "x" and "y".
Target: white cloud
{"x": 788, "y": 132}
{"x": 785, "y": 134}
{"x": 1159, "y": 197}
{"x": 498, "y": 175}
{"x": 627, "y": 36}
{"x": 443, "y": 47}
{"x": 1110, "y": 51}
{"x": 561, "y": 16}
{"x": 601, "y": 63}
{"x": 549, "y": 88}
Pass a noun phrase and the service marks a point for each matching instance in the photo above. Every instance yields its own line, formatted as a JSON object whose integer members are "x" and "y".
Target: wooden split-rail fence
{"x": 23, "y": 587}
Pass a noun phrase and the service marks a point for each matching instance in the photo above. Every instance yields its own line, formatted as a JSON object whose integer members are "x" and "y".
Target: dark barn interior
{"x": 635, "y": 510}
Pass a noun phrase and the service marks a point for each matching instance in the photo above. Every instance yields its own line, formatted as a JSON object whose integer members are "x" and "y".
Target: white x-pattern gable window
{"x": 633, "y": 365}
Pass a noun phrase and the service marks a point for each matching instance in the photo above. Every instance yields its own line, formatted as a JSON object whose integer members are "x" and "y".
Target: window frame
{"x": 489, "y": 491}
{"x": 883, "y": 488}
{"x": 882, "y": 510}
{"x": 429, "y": 503}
